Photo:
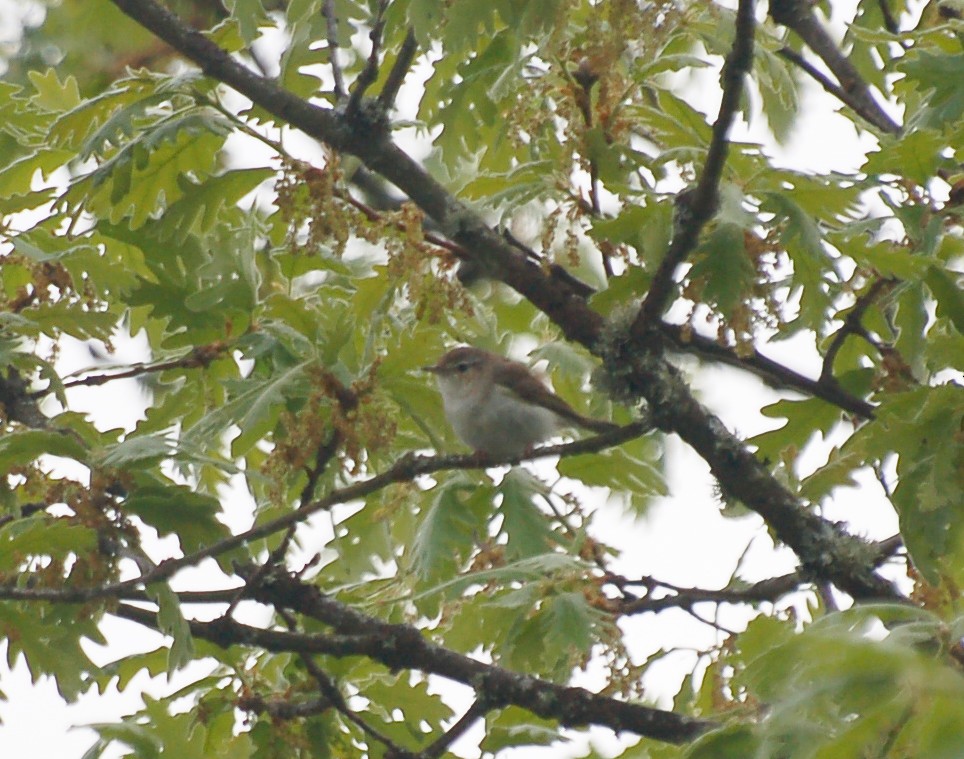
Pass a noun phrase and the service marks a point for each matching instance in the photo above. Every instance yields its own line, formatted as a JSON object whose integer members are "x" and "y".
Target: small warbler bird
{"x": 500, "y": 408}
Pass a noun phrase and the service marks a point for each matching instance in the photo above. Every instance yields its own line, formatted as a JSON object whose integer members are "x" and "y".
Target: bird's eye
{"x": 462, "y": 367}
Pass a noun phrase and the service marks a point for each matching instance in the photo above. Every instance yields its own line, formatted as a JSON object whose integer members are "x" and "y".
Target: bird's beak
{"x": 432, "y": 369}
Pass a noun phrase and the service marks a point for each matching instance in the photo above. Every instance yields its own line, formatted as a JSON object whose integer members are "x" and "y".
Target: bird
{"x": 498, "y": 407}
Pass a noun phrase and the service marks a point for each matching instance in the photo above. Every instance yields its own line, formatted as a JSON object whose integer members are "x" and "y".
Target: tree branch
{"x": 583, "y": 80}
{"x": 769, "y": 590}
{"x": 200, "y": 357}
{"x": 774, "y": 374}
{"x": 406, "y": 468}
{"x": 386, "y": 98}
{"x": 696, "y": 207}
{"x": 399, "y": 646}
{"x": 18, "y": 404}
{"x": 824, "y": 548}
{"x": 327, "y": 686}
{"x": 370, "y": 73}
{"x": 331, "y": 20}
{"x": 473, "y": 714}
{"x": 281, "y": 709}
{"x": 853, "y": 90}
{"x": 890, "y": 22}
{"x": 853, "y": 325}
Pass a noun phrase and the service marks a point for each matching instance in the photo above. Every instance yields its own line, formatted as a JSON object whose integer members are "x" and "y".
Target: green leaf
{"x": 527, "y": 528}
{"x": 937, "y": 75}
{"x": 722, "y": 264}
{"x": 177, "y": 510}
{"x": 915, "y": 155}
{"x": 778, "y": 90}
{"x": 23, "y": 447}
{"x": 139, "y": 450}
{"x": 571, "y": 621}
{"x": 450, "y": 529}
{"x": 143, "y": 176}
{"x": 514, "y": 726}
{"x": 947, "y": 292}
{"x": 523, "y": 571}
{"x": 633, "y": 471}
{"x": 254, "y": 407}
{"x": 730, "y": 742}
{"x": 40, "y": 535}
{"x": 49, "y": 637}
{"x": 52, "y": 94}
{"x": 804, "y": 420}
{"x": 200, "y": 206}
{"x": 918, "y": 425}
{"x": 171, "y": 622}
{"x": 250, "y": 16}
{"x": 647, "y": 228}
{"x": 804, "y": 243}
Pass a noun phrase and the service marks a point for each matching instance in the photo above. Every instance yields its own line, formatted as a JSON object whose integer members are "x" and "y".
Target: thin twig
{"x": 556, "y": 271}
{"x": 473, "y": 714}
{"x": 853, "y": 325}
{"x": 331, "y": 20}
{"x": 583, "y": 80}
{"x": 772, "y": 373}
{"x": 882, "y": 480}
{"x": 856, "y": 103}
{"x": 696, "y": 207}
{"x": 201, "y": 357}
{"x": 890, "y": 21}
{"x": 406, "y": 468}
{"x": 329, "y": 690}
{"x": 280, "y": 709}
{"x": 768, "y": 591}
{"x": 822, "y": 79}
{"x": 406, "y": 54}
{"x": 765, "y": 591}
{"x": 369, "y": 74}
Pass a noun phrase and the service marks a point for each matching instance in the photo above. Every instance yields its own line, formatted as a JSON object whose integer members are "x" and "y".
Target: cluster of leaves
{"x": 288, "y": 313}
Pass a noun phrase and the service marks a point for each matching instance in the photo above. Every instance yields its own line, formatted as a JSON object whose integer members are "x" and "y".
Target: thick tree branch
{"x": 17, "y": 403}
{"x": 399, "y": 646}
{"x": 853, "y": 90}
